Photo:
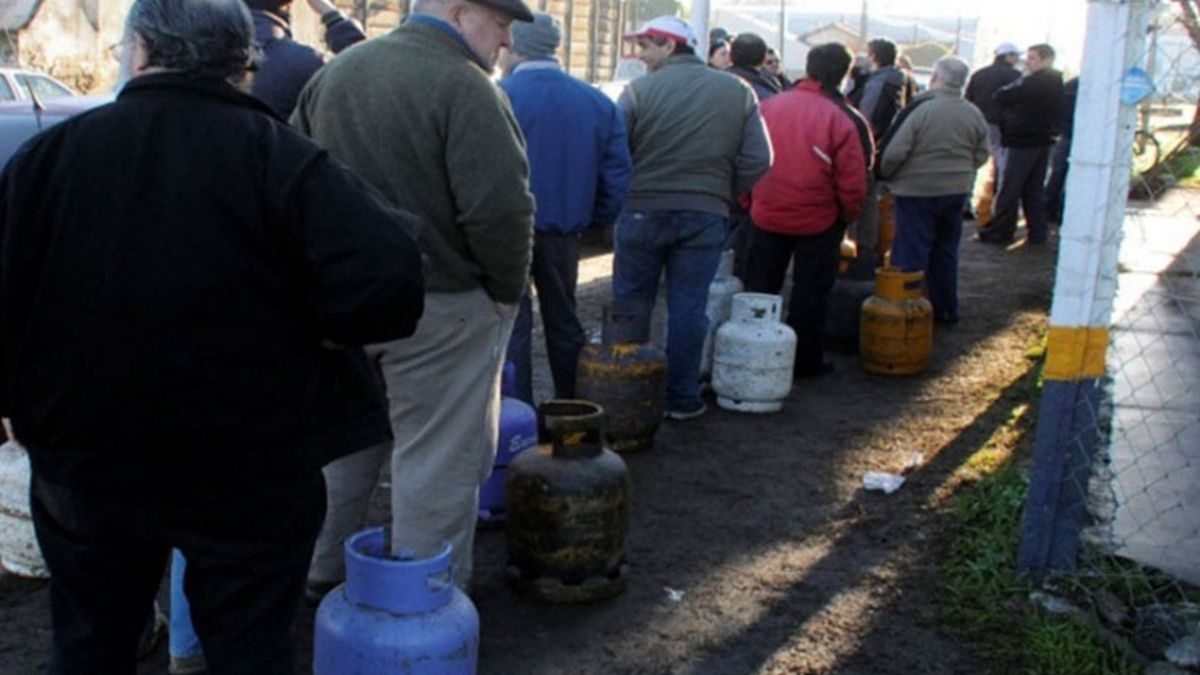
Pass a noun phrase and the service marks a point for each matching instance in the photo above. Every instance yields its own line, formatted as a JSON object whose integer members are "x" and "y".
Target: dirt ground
{"x": 785, "y": 563}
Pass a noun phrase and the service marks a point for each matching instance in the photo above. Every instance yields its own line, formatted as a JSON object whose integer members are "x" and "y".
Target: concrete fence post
{"x": 1097, "y": 187}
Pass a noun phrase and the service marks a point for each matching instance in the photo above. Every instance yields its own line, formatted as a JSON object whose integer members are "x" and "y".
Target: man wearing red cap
{"x": 698, "y": 144}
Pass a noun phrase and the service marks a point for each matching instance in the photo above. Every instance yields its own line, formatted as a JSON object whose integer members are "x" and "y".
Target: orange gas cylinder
{"x": 887, "y": 226}
{"x": 983, "y": 208}
{"x": 896, "y": 333}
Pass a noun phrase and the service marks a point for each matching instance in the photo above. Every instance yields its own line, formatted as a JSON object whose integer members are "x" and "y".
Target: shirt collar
{"x": 434, "y": 22}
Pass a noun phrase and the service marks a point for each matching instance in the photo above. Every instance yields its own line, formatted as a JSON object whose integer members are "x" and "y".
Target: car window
{"x": 43, "y": 87}
{"x": 6, "y": 92}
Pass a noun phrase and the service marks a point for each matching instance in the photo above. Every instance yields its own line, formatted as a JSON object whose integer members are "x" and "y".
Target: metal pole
{"x": 782, "y": 30}
{"x": 700, "y": 26}
{"x": 1084, "y": 290}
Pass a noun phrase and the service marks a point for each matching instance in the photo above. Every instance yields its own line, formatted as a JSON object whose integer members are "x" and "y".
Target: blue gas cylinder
{"x": 395, "y": 615}
{"x": 518, "y": 433}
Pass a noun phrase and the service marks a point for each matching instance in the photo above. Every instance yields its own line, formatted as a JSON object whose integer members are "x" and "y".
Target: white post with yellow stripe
{"x": 1085, "y": 289}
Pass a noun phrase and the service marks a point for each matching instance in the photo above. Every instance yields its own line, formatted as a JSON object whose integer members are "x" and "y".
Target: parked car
{"x": 20, "y": 120}
{"x": 21, "y": 85}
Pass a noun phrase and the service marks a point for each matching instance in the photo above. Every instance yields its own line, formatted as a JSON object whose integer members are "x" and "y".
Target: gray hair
{"x": 951, "y": 72}
{"x": 202, "y": 37}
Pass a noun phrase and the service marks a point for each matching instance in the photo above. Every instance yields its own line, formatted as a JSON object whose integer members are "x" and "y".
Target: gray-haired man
{"x": 168, "y": 313}
{"x": 929, "y": 159}
{"x": 448, "y": 149}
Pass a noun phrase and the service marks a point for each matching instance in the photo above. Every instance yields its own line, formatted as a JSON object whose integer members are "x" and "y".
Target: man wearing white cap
{"x": 698, "y": 144}
{"x": 983, "y": 85}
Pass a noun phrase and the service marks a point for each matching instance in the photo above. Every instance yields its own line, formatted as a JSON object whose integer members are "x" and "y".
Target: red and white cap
{"x": 667, "y": 27}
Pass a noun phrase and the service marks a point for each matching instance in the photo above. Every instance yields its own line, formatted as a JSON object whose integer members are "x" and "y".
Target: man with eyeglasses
{"x": 184, "y": 280}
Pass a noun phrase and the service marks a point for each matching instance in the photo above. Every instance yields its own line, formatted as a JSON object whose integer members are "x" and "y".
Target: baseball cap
{"x": 514, "y": 8}
{"x": 667, "y": 27}
{"x": 1007, "y": 48}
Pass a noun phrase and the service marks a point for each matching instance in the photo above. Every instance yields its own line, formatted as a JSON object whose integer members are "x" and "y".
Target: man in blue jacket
{"x": 579, "y": 174}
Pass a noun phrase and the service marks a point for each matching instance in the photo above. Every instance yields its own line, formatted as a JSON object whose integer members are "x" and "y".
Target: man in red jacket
{"x": 801, "y": 206}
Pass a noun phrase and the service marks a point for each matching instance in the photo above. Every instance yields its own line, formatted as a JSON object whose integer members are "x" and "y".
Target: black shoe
{"x": 810, "y": 373}
{"x": 1035, "y": 241}
{"x": 991, "y": 240}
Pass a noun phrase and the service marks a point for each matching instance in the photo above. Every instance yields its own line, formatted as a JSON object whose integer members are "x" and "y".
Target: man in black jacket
{"x": 983, "y": 85}
{"x": 885, "y": 92}
{"x": 748, "y": 53}
{"x": 287, "y": 64}
{"x": 1030, "y": 113}
{"x": 180, "y": 276}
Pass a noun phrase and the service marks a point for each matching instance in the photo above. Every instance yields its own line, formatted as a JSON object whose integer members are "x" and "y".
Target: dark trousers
{"x": 814, "y": 261}
{"x": 1056, "y": 185}
{"x": 1022, "y": 187}
{"x": 555, "y": 272}
{"x": 248, "y": 542}
{"x": 928, "y": 231}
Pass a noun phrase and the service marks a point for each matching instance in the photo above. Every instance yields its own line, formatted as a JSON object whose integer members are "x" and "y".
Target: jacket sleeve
{"x": 849, "y": 170}
{"x": 628, "y": 110}
{"x": 362, "y": 262}
{"x": 489, "y": 182}
{"x": 340, "y": 32}
{"x": 899, "y": 146}
{"x": 754, "y": 154}
{"x": 981, "y": 141}
{"x": 1009, "y": 93}
{"x": 616, "y": 168}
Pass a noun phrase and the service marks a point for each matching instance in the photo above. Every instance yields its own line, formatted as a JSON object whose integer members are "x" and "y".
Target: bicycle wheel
{"x": 1146, "y": 151}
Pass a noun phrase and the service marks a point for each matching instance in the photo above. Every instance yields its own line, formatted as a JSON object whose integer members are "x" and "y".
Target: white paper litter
{"x": 673, "y": 594}
{"x": 917, "y": 459}
{"x": 886, "y": 482}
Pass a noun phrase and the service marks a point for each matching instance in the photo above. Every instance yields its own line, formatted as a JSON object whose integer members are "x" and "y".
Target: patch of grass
{"x": 1061, "y": 647}
{"x": 1183, "y": 165}
{"x": 987, "y": 598}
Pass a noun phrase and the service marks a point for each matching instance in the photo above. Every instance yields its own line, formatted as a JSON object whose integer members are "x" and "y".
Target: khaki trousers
{"x": 443, "y": 388}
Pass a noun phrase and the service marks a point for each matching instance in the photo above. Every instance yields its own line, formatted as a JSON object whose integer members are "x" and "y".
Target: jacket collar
{"x": 436, "y": 26}
{"x": 682, "y": 60}
{"x": 753, "y": 76}
{"x": 546, "y": 63}
{"x": 268, "y": 26}
{"x": 190, "y": 83}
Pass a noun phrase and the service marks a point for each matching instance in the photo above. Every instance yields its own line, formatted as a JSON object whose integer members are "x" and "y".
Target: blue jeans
{"x": 928, "y": 230}
{"x": 183, "y": 641}
{"x": 687, "y": 244}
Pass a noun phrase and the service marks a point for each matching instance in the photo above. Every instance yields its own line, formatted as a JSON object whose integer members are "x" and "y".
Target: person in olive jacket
{"x": 183, "y": 281}
{"x": 1030, "y": 124}
{"x": 416, "y": 112}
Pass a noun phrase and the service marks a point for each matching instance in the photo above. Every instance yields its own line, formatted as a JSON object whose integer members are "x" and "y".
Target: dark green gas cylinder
{"x": 567, "y": 504}
{"x": 626, "y": 377}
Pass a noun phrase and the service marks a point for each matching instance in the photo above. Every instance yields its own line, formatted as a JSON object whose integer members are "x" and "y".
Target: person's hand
{"x": 322, "y": 7}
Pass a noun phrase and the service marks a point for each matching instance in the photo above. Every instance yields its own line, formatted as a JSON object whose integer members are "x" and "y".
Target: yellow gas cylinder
{"x": 983, "y": 208}
{"x": 896, "y": 334}
{"x": 849, "y": 252}
{"x": 887, "y": 226}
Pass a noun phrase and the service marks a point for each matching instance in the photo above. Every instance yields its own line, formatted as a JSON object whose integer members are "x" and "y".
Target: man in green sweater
{"x": 415, "y": 113}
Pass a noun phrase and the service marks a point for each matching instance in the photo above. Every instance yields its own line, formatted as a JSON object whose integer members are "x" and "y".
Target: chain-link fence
{"x": 1119, "y": 456}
